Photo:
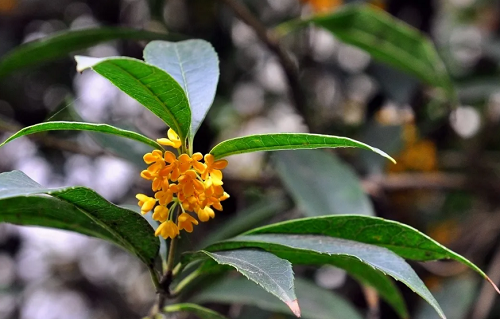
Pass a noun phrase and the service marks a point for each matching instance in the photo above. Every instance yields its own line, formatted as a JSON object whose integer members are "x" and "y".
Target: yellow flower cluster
{"x": 183, "y": 182}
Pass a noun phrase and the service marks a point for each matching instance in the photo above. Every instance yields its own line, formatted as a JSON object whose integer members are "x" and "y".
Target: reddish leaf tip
{"x": 294, "y": 306}
{"x": 493, "y": 284}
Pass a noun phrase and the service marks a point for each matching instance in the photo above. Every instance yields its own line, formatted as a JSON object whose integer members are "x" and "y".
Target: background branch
{"x": 290, "y": 68}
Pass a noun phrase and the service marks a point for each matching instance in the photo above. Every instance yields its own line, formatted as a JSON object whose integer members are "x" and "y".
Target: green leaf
{"x": 79, "y": 209}
{"x": 154, "y": 224}
{"x": 286, "y": 141}
{"x": 195, "y": 66}
{"x": 273, "y": 274}
{"x": 80, "y": 126}
{"x": 402, "y": 239}
{"x": 149, "y": 85}
{"x": 386, "y": 39}
{"x": 61, "y": 44}
{"x": 315, "y": 302}
{"x": 319, "y": 250}
{"x": 342, "y": 192}
{"x": 202, "y": 312}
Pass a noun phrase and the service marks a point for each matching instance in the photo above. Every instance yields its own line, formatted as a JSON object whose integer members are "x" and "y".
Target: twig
{"x": 402, "y": 181}
{"x": 271, "y": 41}
{"x": 163, "y": 289}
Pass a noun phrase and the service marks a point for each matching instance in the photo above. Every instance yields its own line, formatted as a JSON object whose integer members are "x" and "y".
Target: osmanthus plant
{"x": 177, "y": 82}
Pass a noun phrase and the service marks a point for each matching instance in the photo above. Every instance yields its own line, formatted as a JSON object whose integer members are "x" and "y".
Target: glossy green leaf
{"x": 148, "y": 84}
{"x": 402, "y": 239}
{"x": 61, "y": 44}
{"x": 319, "y": 250}
{"x": 79, "y": 209}
{"x": 386, "y": 39}
{"x": 315, "y": 302}
{"x": 154, "y": 224}
{"x": 341, "y": 189}
{"x": 195, "y": 66}
{"x": 80, "y": 126}
{"x": 286, "y": 141}
{"x": 201, "y": 312}
{"x": 273, "y": 274}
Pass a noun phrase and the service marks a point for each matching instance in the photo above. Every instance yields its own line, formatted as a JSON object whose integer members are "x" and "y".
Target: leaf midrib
{"x": 262, "y": 271}
{"x": 177, "y": 128}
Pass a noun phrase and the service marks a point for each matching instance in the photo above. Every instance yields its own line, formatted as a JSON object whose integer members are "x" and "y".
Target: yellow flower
{"x": 213, "y": 169}
{"x": 186, "y": 162}
{"x": 205, "y": 214}
{"x": 172, "y": 169}
{"x": 185, "y": 181}
{"x": 186, "y": 221}
{"x": 173, "y": 139}
{"x": 160, "y": 213}
{"x": 153, "y": 157}
{"x": 167, "y": 229}
{"x": 189, "y": 183}
{"x": 164, "y": 197}
{"x": 145, "y": 202}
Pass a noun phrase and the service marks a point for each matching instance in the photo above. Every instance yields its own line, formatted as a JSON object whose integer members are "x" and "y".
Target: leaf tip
{"x": 493, "y": 284}
{"x": 384, "y": 154}
{"x": 294, "y": 306}
{"x": 85, "y": 62}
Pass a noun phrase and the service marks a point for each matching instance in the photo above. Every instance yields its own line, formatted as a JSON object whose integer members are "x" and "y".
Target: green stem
{"x": 191, "y": 146}
{"x": 171, "y": 255}
{"x": 186, "y": 281}
{"x": 177, "y": 269}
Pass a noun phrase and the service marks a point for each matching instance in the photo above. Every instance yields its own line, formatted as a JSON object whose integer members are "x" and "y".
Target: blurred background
{"x": 446, "y": 182}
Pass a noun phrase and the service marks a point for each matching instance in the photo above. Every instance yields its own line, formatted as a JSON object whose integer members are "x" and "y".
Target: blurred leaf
{"x": 315, "y": 302}
{"x": 79, "y": 126}
{"x": 195, "y": 66}
{"x": 273, "y": 274}
{"x": 309, "y": 249}
{"x": 123, "y": 148}
{"x": 201, "y": 312}
{"x": 369, "y": 276}
{"x": 78, "y": 209}
{"x": 286, "y": 141}
{"x": 455, "y": 296}
{"x": 147, "y": 84}
{"x": 332, "y": 187}
{"x": 386, "y": 39}
{"x": 247, "y": 219}
{"x": 402, "y": 239}
{"x": 61, "y": 44}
